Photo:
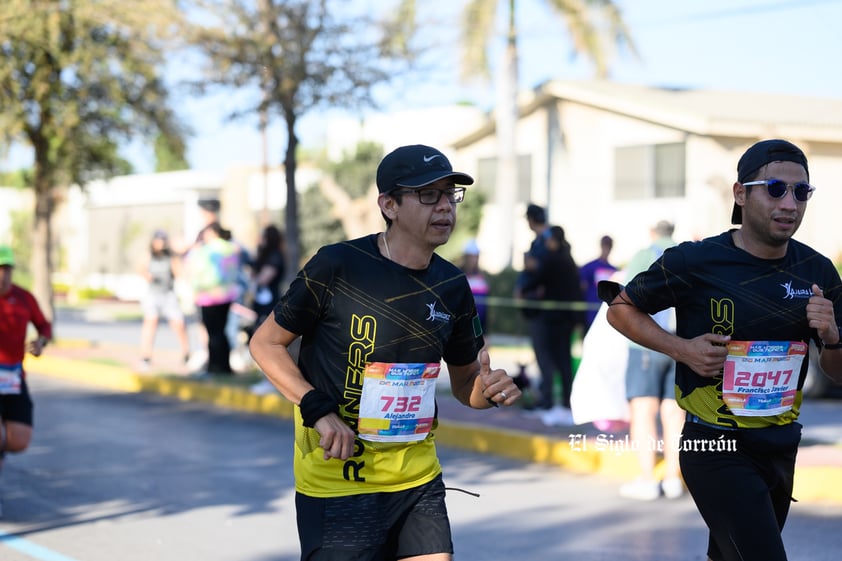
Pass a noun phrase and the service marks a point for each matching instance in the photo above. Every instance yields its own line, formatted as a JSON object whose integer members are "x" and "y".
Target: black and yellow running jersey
{"x": 353, "y": 307}
{"x": 716, "y": 287}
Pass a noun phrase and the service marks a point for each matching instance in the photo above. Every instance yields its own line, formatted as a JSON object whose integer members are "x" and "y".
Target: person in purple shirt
{"x": 591, "y": 273}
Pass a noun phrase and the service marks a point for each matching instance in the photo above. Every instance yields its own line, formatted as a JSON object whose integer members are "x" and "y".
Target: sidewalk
{"x": 506, "y": 432}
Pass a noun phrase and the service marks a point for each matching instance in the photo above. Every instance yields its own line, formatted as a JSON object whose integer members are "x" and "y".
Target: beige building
{"x": 605, "y": 158}
{"x": 608, "y": 158}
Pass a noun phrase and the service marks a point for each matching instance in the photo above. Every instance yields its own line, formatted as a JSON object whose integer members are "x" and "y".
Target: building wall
{"x": 13, "y": 200}
{"x": 121, "y": 215}
{"x": 581, "y": 174}
{"x": 821, "y": 227}
{"x": 571, "y": 146}
{"x": 434, "y": 126}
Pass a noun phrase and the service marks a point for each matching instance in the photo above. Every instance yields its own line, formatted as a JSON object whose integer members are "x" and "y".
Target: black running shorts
{"x": 375, "y": 526}
{"x": 17, "y": 408}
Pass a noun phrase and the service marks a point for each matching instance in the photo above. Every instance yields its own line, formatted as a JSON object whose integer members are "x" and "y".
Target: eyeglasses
{"x": 777, "y": 188}
{"x": 433, "y": 196}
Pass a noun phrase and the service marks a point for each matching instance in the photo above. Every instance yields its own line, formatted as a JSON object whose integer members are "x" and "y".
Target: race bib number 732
{"x": 398, "y": 401}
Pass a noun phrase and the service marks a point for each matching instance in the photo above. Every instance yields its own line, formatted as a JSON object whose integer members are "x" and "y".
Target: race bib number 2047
{"x": 398, "y": 401}
{"x": 761, "y": 377}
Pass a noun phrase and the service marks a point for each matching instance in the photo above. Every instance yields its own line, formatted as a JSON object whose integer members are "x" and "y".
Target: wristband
{"x": 316, "y": 404}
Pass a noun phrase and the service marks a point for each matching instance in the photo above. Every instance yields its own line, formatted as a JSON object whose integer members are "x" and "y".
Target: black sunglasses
{"x": 777, "y": 188}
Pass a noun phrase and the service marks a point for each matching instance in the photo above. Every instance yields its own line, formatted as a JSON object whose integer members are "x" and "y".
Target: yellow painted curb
{"x": 93, "y": 373}
{"x": 818, "y": 484}
{"x": 572, "y": 455}
{"x": 812, "y": 483}
{"x": 121, "y": 379}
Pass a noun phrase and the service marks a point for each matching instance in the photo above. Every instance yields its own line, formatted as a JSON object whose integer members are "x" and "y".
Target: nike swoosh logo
{"x": 428, "y": 159}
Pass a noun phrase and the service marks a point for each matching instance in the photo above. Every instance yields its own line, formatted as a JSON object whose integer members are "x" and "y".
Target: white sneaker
{"x": 263, "y": 387}
{"x": 240, "y": 360}
{"x": 641, "y": 490}
{"x": 672, "y": 487}
{"x": 534, "y": 413}
{"x": 558, "y": 417}
{"x": 198, "y": 361}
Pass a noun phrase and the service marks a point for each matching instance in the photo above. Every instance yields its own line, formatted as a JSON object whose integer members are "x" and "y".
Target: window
{"x": 487, "y": 178}
{"x": 645, "y": 172}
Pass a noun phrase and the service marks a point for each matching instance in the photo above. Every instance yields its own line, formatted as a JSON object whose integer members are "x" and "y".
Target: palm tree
{"x": 595, "y": 28}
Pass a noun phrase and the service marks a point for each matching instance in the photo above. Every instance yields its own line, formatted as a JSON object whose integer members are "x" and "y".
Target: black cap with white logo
{"x": 416, "y": 166}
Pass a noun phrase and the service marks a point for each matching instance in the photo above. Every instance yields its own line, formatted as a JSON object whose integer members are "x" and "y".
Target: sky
{"x": 776, "y": 46}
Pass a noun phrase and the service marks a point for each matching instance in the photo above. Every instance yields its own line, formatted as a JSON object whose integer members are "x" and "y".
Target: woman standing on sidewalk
{"x": 213, "y": 265}
{"x": 160, "y": 268}
{"x": 268, "y": 271}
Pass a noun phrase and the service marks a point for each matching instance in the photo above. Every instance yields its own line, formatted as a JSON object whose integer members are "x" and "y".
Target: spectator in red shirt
{"x": 18, "y": 308}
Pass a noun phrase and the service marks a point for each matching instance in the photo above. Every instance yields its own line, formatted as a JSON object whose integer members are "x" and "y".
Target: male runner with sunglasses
{"x": 747, "y": 304}
{"x": 376, "y": 315}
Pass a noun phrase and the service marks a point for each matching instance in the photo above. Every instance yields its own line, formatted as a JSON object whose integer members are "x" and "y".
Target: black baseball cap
{"x": 760, "y": 154}
{"x": 416, "y": 166}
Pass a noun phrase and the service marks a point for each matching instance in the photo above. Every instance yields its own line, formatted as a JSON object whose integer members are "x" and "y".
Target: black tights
{"x": 214, "y": 318}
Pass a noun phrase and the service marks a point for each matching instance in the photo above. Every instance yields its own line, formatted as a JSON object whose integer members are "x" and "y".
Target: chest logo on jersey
{"x": 436, "y": 315}
{"x": 792, "y": 293}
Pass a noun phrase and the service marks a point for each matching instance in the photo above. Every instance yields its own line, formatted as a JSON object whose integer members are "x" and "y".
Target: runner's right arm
{"x": 270, "y": 348}
{"x": 704, "y": 354}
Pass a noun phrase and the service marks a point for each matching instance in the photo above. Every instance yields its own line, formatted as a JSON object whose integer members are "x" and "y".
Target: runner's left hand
{"x": 498, "y": 386}
{"x": 36, "y": 347}
{"x": 820, "y": 316}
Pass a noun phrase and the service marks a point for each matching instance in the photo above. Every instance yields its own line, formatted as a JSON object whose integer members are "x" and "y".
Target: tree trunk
{"x": 291, "y": 211}
{"x": 506, "y": 119}
{"x": 357, "y": 216}
{"x": 42, "y": 243}
{"x": 265, "y": 216}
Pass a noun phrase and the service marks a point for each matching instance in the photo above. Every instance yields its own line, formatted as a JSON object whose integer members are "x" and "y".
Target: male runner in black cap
{"x": 747, "y": 304}
{"x": 376, "y": 316}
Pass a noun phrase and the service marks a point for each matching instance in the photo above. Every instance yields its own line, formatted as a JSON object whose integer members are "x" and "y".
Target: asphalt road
{"x": 138, "y": 477}
{"x": 99, "y": 324}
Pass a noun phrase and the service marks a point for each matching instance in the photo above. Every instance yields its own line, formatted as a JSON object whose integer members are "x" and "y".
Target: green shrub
{"x": 504, "y": 318}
